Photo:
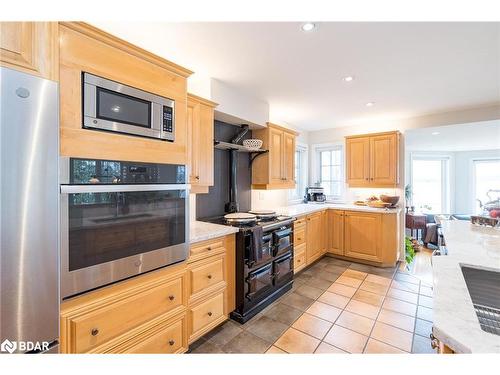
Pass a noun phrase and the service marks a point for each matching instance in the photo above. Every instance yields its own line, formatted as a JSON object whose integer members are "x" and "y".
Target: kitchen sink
{"x": 484, "y": 291}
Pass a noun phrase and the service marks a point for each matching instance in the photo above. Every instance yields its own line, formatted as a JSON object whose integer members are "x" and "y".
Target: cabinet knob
{"x": 366, "y": 179}
{"x": 171, "y": 342}
{"x": 171, "y": 297}
{"x": 300, "y": 239}
{"x": 209, "y": 313}
{"x": 209, "y": 248}
{"x": 94, "y": 332}
{"x": 209, "y": 276}
{"x": 197, "y": 177}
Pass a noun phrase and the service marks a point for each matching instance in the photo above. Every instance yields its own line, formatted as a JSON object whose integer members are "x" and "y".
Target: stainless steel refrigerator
{"x": 29, "y": 213}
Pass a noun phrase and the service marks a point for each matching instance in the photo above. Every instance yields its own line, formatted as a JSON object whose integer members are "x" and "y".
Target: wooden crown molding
{"x": 127, "y": 47}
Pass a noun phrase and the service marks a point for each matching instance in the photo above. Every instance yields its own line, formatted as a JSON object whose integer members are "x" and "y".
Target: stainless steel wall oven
{"x": 120, "y": 219}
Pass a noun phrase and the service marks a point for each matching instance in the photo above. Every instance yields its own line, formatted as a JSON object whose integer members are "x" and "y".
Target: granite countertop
{"x": 455, "y": 320}
{"x": 304, "y": 208}
{"x": 201, "y": 231}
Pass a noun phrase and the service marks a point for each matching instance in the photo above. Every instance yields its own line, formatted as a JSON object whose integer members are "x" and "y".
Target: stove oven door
{"x": 258, "y": 282}
{"x": 283, "y": 241}
{"x": 283, "y": 269}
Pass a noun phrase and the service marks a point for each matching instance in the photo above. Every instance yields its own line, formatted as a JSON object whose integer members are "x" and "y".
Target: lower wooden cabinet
{"x": 206, "y": 315}
{"x": 362, "y": 236}
{"x": 369, "y": 237}
{"x": 335, "y": 232}
{"x": 159, "y": 312}
{"x": 314, "y": 243}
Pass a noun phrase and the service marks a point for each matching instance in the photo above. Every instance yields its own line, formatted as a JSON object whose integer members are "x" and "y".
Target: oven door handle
{"x": 77, "y": 189}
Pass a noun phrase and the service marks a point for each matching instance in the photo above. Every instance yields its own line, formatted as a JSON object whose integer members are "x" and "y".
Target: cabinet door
{"x": 313, "y": 249}
{"x": 358, "y": 161}
{"x": 193, "y": 119}
{"x": 336, "y": 232}
{"x": 276, "y": 148}
{"x": 324, "y": 232}
{"x": 383, "y": 159}
{"x": 289, "y": 159}
{"x": 205, "y": 135}
{"x": 30, "y": 47}
{"x": 362, "y": 235}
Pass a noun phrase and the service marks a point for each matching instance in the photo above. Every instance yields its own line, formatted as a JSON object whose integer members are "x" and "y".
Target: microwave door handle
{"x": 77, "y": 189}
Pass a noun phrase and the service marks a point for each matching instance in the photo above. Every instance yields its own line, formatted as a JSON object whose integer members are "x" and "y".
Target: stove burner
{"x": 240, "y": 218}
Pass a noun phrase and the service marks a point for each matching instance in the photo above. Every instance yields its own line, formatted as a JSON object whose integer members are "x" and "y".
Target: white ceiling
{"x": 407, "y": 69}
{"x": 483, "y": 135}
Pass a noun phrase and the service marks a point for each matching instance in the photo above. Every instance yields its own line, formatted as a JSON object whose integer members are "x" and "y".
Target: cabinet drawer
{"x": 204, "y": 249}
{"x": 168, "y": 339}
{"x": 301, "y": 221}
{"x": 299, "y": 261}
{"x": 95, "y": 328}
{"x": 299, "y": 236}
{"x": 207, "y": 274}
{"x": 207, "y": 313}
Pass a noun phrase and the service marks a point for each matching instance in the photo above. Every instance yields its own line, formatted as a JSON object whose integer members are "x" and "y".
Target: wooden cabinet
{"x": 200, "y": 127}
{"x": 313, "y": 227}
{"x": 275, "y": 169}
{"x": 158, "y": 312}
{"x": 323, "y": 232}
{"x": 31, "y": 47}
{"x": 335, "y": 232}
{"x": 84, "y": 48}
{"x": 372, "y": 160}
{"x": 106, "y": 319}
{"x": 362, "y": 236}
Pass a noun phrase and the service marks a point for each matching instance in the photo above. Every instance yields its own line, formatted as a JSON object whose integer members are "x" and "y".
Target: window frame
{"x": 317, "y": 149}
{"x": 447, "y": 192}
{"x": 473, "y": 176}
{"x": 294, "y": 198}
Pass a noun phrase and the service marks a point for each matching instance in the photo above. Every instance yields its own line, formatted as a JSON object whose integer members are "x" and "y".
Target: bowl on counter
{"x": 392, "y": 199}
{"x": 378, "y": 204}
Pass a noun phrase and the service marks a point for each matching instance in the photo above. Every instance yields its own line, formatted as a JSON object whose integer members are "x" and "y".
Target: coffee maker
{"x": 314, "y": 194}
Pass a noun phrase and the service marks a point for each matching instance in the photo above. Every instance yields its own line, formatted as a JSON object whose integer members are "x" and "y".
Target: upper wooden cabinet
{"x": 31, "y": 47}
{"x": 372, "y": 160}
{"x": 200, "y": 127}
{"x": 84, "y": 48}
{"x": 276, "y": 169}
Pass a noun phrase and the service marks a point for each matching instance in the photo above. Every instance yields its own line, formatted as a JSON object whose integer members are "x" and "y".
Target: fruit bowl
{"x": 393, "y": 200}
{"x": 252, "y": 144}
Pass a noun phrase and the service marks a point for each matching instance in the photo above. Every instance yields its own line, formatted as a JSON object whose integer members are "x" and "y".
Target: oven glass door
{"x": 118, "y": 107}
{"x": 259, "y": 282}
{"x": 107, "y": 226}
{"x": 282, "y": 241}
{"x": 283, "y": 269}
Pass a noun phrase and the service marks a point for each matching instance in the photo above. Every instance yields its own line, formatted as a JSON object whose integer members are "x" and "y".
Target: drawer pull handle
{"x": 209, "y": 276}
{"x": 209, "y": 313}
{"x": 171, "y": 342}
{"x": 298, "y": 238}
{"x": 94, "y": 332}
{"x": 197, "y": 177}
{"x": 209, "y": 248}
{"x": 171, "y": 298}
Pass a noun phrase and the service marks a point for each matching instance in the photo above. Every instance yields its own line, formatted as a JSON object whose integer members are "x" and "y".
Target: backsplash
{"x": 212, "y": 204}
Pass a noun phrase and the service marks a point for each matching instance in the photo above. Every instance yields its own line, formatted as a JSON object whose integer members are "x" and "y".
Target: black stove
{"x": 264, "y": 262}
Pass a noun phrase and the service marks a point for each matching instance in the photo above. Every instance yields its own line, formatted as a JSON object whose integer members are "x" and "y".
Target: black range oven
{"x": 264, "y": 266}
{"x": 120, "y": 219}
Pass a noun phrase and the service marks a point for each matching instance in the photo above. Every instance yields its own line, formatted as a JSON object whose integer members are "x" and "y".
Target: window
{"x": 330, "y": 170}
{"x": 430, "y": 184}
{"x": 298, "y": 193}
{"x": 486, "y": 177}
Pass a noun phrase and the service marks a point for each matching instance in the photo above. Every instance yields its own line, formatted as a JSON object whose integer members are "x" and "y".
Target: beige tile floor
{"x": 336, "y": 307}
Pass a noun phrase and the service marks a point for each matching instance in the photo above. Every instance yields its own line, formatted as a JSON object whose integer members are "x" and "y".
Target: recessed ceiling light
{"x": 370, "y": 104}
{"x": 435, "y": 133}
{"x": 348, "y": 78}
{"x": 308, "y": 26}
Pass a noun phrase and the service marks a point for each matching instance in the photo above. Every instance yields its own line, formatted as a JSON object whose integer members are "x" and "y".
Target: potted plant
{"x": 409, "y": 251}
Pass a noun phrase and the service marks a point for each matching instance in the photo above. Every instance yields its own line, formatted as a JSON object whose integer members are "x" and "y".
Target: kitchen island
{"x": 455, "y": 322}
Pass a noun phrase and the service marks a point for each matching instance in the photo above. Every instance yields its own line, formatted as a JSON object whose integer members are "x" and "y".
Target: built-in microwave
{"x": 120, "y": 219}
{"x": 115, "y": 107}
